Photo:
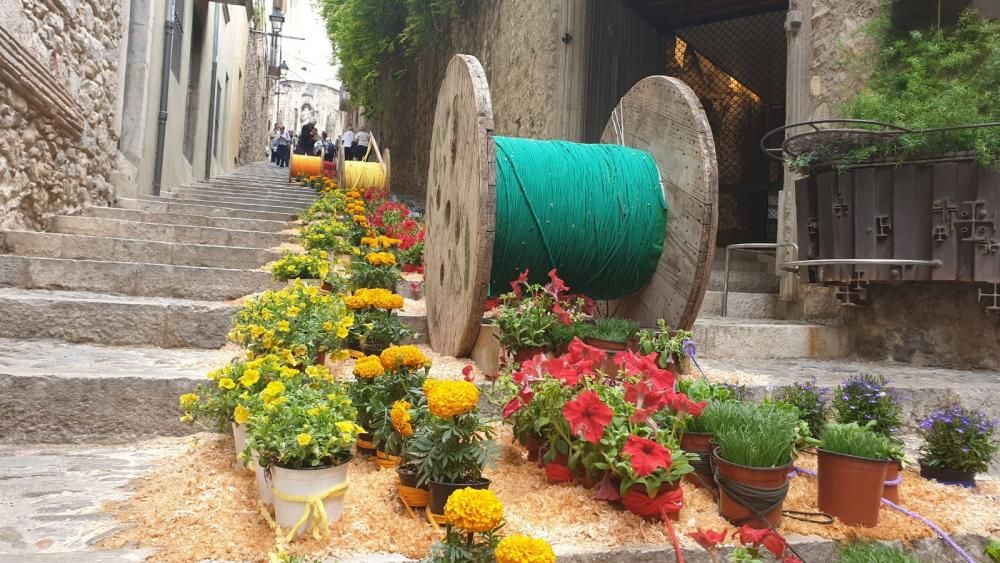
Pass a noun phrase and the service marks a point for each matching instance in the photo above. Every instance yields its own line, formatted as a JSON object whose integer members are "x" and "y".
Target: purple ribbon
{"x": 895, "y": 482}
{"x": 691, "y": 349}
{"x": 937, "y": 530}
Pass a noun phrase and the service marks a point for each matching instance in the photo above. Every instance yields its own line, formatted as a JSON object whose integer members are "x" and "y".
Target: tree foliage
{"x": 368, "y": 35}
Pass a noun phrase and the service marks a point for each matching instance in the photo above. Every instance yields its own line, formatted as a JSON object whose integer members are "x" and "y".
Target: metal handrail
{"x": 793, "y": 266}
{"x": 745, "y": 246}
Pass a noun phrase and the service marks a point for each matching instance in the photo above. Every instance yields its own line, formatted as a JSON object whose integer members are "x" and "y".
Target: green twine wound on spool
{"x": 595, "y": 213}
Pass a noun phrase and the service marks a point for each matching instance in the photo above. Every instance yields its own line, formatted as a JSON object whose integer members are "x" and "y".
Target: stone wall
{"x": 518, "y": 43}
{"x": 44, "y": 169}
{"x": 841, "y": 50}
{"x": 307, "y": 100}
{"x": 255, "y": 122}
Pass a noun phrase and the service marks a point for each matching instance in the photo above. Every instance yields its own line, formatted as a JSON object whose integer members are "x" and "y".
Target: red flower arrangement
{"x": 588, "y": 416}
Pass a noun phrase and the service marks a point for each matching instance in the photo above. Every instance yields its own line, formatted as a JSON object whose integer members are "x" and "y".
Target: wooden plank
{"x": 826, "y": 194}
{"x": 805, "y": 209}
{"x": 28, "y": 77}
{"x": 944, "y": 207}
{"x": 843, "y": 224}
{"x": 663, "y": 117}
{"x": 987, "y": 261}
{"x": 883, "y": 223}
{"x": 965, "y": 194}
{"x": 461, "y": 208}
{"x": 906, "y": 233}
{"x": 864, "y": 220}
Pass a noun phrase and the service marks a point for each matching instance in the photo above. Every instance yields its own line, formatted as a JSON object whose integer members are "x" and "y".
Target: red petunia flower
{"x": 587, "y": 416}
{"x": 584, "y": 356}
{"x": 555, "y": 285}
{"x": 791, "y": 559}
{"x": 561, "y": 314}
{"x": 646, "y": 455}
{"x": 491, "y": 304}
{"x": 707, "y": 539}
{"x": 751, "y": 536}
{"x": 516, "y": 284}
{"x": 467, "y": 372}
{"x": 681, "y": 404}
{"x": 774, "y": 543}
{"x": 561, "y": 370}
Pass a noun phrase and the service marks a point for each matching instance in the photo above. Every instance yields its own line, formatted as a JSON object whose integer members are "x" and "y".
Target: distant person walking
{"x": 307, "y": 138}
{"x": 283, "y": 142}
{"x": 329, "y": 148}
{"x": 347, "y": 140}
{"x": 362, "y": 139}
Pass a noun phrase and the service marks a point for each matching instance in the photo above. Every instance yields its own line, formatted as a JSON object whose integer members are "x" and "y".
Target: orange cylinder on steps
{"x": 302, "y": 164}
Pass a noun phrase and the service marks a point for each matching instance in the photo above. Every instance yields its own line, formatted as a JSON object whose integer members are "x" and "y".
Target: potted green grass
{"x": 756, "y": 446}
{"x": 853, "y": 463}
{"x": 611, "y": 335}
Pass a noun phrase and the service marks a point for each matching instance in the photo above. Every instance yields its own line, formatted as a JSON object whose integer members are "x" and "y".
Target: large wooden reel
{"x": 659, "y": 115}
{"x": 381, "y": 156}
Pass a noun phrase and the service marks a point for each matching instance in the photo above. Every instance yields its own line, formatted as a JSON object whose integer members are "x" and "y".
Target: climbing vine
{"x": 930, "y": 79}
{"x": 369, "y": 35}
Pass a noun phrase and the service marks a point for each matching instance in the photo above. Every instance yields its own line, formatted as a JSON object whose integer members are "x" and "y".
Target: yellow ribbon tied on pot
{"x": 314, "y": 508}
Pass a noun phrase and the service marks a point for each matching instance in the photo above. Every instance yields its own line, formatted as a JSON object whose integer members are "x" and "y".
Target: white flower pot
{"x": 307, "y": 482}
{"x": 264, "y": 483}
{"x": 239, "y": 440}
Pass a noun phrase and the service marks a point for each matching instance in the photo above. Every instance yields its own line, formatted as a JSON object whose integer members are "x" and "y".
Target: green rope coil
{"x": 595, "y": 213}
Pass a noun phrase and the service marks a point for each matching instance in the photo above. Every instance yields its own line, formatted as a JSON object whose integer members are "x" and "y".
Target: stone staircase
{"x": 117, "y": 310}
{"x": 758, "y": 325}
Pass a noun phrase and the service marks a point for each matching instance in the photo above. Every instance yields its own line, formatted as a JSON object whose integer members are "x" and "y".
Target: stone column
{"x": 798, "y": 108}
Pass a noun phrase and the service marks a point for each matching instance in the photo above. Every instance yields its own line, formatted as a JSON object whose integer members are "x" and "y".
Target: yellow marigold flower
{"x": 380, "y": 258}
{"x": 369, "y": 241}
{"x": 384, "y": 299}
{"x": 304, "y": 439}
{"x": 400, "y": 415}
{"x": 227, "y": 383}
{"x": 473, "y": 510}
{"x": 250, "y": 377}
{"x": 368, "y": 367}
{"x": 430, "y": 384}
{"x": 241, "y": 414}
{"x": 452, "y": 398}
{"x": 354, "y": 302}
{"x": 516, "y": 548}
{"x": 388, "y": 242}
{"x": 188, "y": 399}
{"x": 408, "y": 356}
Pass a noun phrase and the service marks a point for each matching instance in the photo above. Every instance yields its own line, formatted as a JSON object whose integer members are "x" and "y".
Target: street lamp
{"x": 283, "y": 69}
{"x": 277, "y": 19}
{"x": 283, "y": 88}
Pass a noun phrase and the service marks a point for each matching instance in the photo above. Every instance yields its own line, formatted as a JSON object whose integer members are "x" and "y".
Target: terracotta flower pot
{"x": 891, "y": 492}
{"x": 699, "y": 443}
{"x": 850, "y": 487}
{"x": 637, "y": 501}
{"x": 366, "y": 445}
{"x": 949, "y": 476}
{"x": 531, "y": 442}
{"x": 439, "y": 493}
{"x": 732, "y": 509}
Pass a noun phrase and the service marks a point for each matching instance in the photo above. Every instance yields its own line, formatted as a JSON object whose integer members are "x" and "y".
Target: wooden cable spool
{"x": 381, "y": 156}
{"x": 304, "y": 164}
{"x": 659, "y": 115}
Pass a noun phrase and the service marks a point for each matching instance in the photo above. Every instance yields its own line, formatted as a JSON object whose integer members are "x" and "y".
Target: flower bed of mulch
{"x": 199, "y": 505}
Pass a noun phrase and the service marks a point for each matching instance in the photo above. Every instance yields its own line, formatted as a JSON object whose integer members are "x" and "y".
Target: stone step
{"x": 230, "y": 207}
{"x": 206, "y": 189}
{"x": 732, "y": 338}
{"x": 280, "y": 199}
{"x": 746, "y": 282}
{"x": 184, "y": 219}
{"x": 109, "y": 394}
{"x": 922, "y": 389}
{"x": 281, "y": 185}
{"x": 184, "y": 234}
{"x": 113, "y": 319}
{"x": 82, "y": 247}
{"x": 149, "y": 203}
{"x": 741, "y": 305}
{"x": 54, "y": 496}
{"x": 132, "y": 278}
{"x": 228, "y": 200}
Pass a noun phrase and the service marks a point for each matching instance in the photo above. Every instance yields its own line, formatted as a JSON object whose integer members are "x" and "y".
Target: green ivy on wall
{"x": 930, "y": 79}
{"x": 369, "y": 35}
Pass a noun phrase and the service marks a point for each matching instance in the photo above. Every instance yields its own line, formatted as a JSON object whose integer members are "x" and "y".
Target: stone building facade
{"x": 58, "y": 106}
{"x": 305, "y": 101}
{"x": 100, "y": 100}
